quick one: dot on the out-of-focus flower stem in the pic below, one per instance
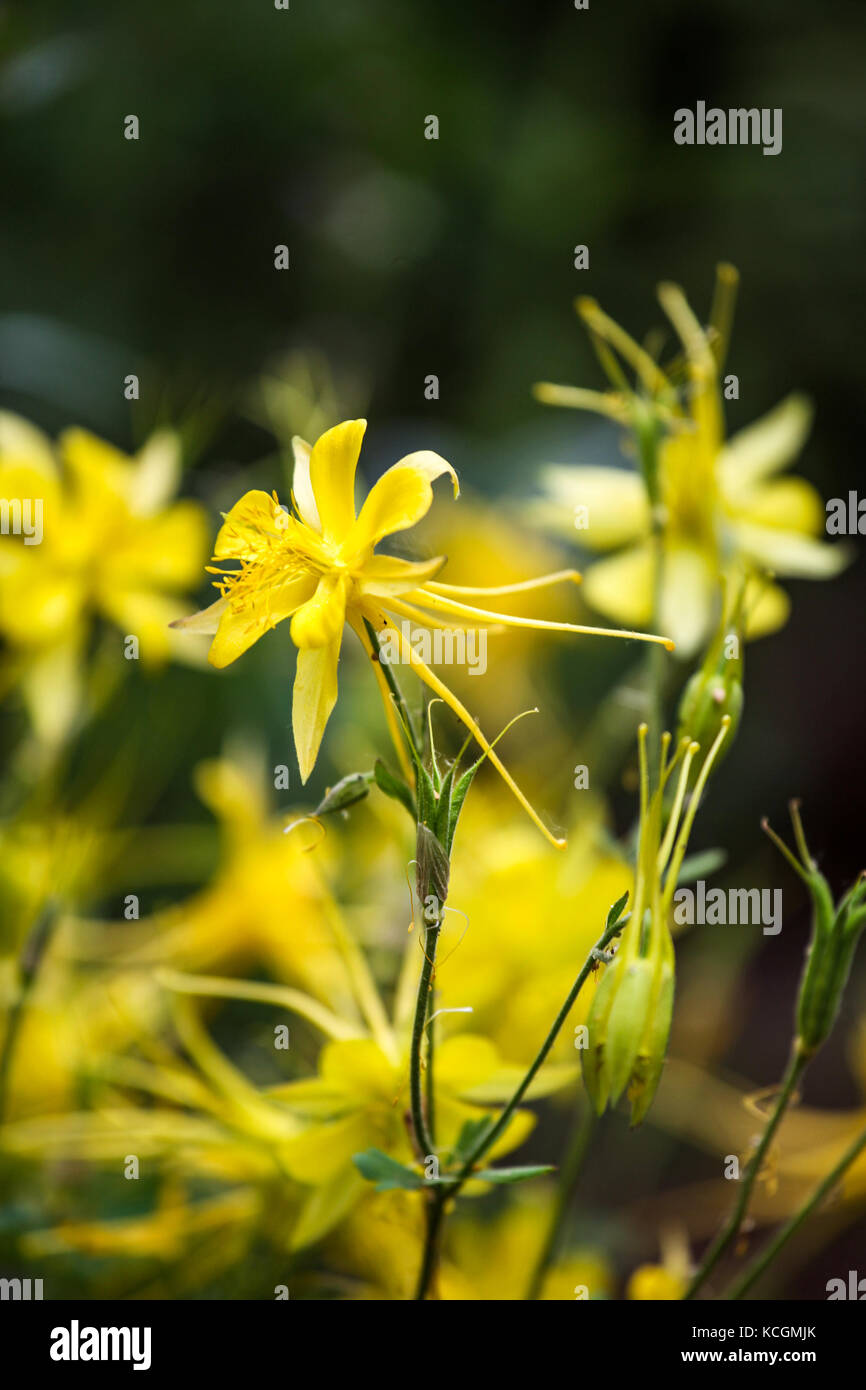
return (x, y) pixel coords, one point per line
(28, 969)
(569, 1172)
(797, 1064)
(765, 1259)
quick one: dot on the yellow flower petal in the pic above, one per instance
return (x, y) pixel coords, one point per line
(399, 499)
(302, 487)
(766, 607)
(322, 1151)
(620, 586)
(239, 628)
(167, 550)
(787, 504)
(321, 618)
(246, 528)
(96, 466)
(313, 698)
(360, 1069)
(385, 576)
(155, 473)
(206, 620)
(615, 503)
(332, 476)
(688, 594)
(765, 447)
(789, 553)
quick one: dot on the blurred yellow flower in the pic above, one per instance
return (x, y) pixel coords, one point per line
(108, 542)
(360, 1100)
(721, 503)
(317, 566)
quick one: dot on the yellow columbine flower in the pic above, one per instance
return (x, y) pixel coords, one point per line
(110, 541)
(317, 565)
(721, 505)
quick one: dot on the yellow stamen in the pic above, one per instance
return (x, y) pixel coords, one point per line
(542, 582)
(445, 605)
(647, 370)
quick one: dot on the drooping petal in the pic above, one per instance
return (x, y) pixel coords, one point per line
(385, 576)
(400, 498)
(241, 626)
(766, 607)
(302, 487)
(787, 504)
(689, 591)
(601, 508)
(620, 586)
(321, 618)
(790, 553)
(333, 461)
(313, 698)
(765, 447)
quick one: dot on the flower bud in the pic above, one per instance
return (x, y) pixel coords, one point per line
(835, 933)
(716, 688)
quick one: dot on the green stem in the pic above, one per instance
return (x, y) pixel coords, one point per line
(757, 1268)
(429, 1089)
(569, 1172)
(423, 1136)
(432, 1243)
(797, 1064)
(488, 1139)
(447, 1193)
(31, 958)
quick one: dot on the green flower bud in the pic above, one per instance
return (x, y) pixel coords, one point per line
(629, 1020)
(716, 688)
(835, 933)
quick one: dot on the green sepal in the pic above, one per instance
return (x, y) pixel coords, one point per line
(394, 787)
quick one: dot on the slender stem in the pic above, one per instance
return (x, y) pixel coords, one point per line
(423, 1135)
(448, 1192)
(432, 1243)
(429, 1088)
(489, 1138)
(757, 1268)
(796, 1065)
(569, 1172)
(28, 969)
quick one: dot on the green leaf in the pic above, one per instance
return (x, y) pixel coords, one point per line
(701, 865)
(347, 791)
(386, 1172)
(503, 1175)
(393, 786)
(616, 911)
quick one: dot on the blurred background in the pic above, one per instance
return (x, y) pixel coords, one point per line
(453, 257)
